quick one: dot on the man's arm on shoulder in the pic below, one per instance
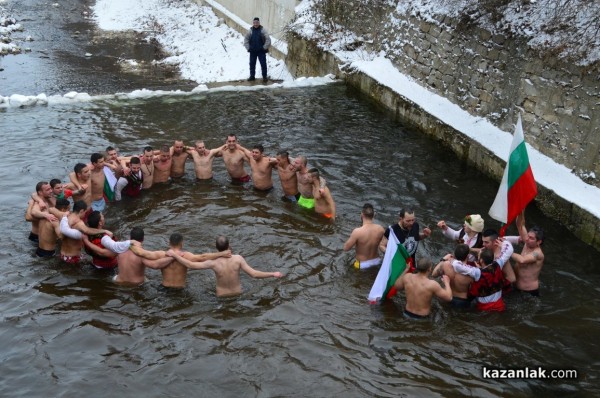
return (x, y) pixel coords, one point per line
(206, 256)
(157, 264)
(147, 254)
(101, 251)
(80, 225)
(208, 264)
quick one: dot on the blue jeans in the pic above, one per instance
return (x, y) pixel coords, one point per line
(262, 58)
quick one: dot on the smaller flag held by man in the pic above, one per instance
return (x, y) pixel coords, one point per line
(518, 186)
(393, 265)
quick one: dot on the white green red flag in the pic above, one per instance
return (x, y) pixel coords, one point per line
(393, 265)
(518, 186)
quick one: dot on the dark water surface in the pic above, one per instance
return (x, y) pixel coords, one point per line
(70, 331)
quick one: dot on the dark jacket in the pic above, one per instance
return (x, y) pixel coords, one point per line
(257, 40)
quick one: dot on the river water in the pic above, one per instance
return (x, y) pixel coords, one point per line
(70, 331)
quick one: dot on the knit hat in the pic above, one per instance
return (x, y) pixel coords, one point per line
(475, 222)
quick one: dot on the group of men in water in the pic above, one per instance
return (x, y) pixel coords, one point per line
(111, 177)
(479, 270)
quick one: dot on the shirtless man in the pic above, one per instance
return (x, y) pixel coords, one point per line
(531, 260)
(49, 231)
(175, 274)
(82, 174)
(178, 156)
(420, 290)
(460, 275)
(234, 158)
(72, 227)
(113, 162)
(132, 267)
(147, 167)
(305, 185)
(162, 166)
(366, 239)
(262, 167)
(287, 177)
(324, 203)
(502, 250)
(227, 270)
(203, 160)
(97, 179)
(34, 211)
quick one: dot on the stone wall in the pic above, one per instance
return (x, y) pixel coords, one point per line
(495, 77)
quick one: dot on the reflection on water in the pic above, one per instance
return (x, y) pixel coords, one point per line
(67, 331)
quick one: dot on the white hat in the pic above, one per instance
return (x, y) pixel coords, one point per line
(475, 222)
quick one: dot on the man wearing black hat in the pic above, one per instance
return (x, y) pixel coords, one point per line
(257, 42)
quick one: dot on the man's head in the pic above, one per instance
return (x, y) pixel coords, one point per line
(95, 219)
(257, 152)
(79, 207)
(43, 189)
(165, 153)
(82, 171)
(176, 241)
(222, 243)
(314, 174)
(178, 147)
(56, 185)
(137, 234)
(424, 265)
(200, 147)
(135, 164)
(62, 204)
(148, 155)
(535, 237)
(111, 154)
(489, 238)
(97, 160)
(367, 211)
(486, 257)
(407, 218)
(231, 141)
(300, 163)
(461, 252)
(256, 22)
(283, 158)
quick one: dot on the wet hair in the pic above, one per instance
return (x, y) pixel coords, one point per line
(256, 19)
(39, 185)
(176, 239)
(137, 234)
(232, 135)
(490, 233)
(165, 149)
(284, 154)
(79, 206)
(96, 157)
(461, 252)
(405, 211)
(260, 148)
(487, 256)
(134, 160)
(54, 182)
(368, 210)
(93, 219)
(109, 148)
(539, 233)
(222, 243)
(148, 149)
(79, 167)
(62, 204)
(424, 264)
(199, 142)
(303, 160)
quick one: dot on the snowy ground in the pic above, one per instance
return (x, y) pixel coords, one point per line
(206, 50)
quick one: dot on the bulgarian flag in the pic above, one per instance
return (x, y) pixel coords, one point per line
(109, 184)
(393, 265)
(518, 186)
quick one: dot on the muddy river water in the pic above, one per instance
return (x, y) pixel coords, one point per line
(70, 331)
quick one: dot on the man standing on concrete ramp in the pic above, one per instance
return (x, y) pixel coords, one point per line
(257, 42)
